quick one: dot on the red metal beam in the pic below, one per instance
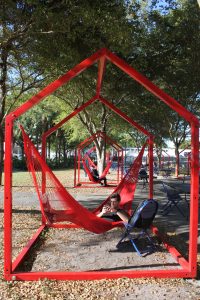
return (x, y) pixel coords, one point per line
(171, 102)
(70, 116)
(173, 273)
(96, 135)
(124, 116)
(194, 198)
(26, 249)
(52, 87)
(174, 252)
(101, 71)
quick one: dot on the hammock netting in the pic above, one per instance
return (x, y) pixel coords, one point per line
(89, 173)
(86, 157)
(58, 205)
(90, 162)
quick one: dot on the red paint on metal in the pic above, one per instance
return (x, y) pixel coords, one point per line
(101, 71)
(8, 197)
(150, 168)
(26, 249)
(85, 144)
(174, 273)
(172, 103)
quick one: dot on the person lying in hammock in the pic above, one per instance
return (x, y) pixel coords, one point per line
(112, 212)
(143, 174)
(95, 175)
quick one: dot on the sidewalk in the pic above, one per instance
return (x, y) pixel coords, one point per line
(174, 222)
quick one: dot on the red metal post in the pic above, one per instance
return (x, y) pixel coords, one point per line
(44, 157)
(75, 166)
(194, 197)
(79, 165)
(122, 167)
(8, 197)
(150, 168)
(118, 166)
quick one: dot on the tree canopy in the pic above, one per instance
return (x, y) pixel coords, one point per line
(41, 40)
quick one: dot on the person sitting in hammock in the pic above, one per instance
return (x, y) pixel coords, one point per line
(143, 174)
(95, 175)
(112, 212)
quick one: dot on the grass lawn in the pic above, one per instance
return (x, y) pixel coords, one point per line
(23, 178)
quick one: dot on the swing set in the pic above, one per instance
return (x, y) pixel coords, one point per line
(51, 192)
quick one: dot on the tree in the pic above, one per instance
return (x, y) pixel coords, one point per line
(181, 71)
(18, 73)
(169, 55)
(41, 39)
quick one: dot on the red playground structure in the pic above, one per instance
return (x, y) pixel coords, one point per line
(186, 267)
(83, 160)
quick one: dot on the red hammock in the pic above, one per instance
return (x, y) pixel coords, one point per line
(56, 202)
(89, 173)
(92, 164)
(87, 156)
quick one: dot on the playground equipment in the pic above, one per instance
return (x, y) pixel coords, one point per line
(81, 159)
(186, 267)
(58, 205)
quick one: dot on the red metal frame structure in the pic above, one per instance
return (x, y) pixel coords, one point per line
(163, 159)
(187, 268)
(79, 157)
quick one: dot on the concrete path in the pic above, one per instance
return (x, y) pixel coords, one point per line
(173, 222)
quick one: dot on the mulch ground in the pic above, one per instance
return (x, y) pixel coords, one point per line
(25, 223)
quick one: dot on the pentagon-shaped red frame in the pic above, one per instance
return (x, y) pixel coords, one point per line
(86, 143)
(188, 267)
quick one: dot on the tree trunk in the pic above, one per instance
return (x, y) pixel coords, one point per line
(49, 147)
(100, 149)
(64, 152)
(100, 161)
(177, 162)
(59, 149)
(3, 93)
(159, 155)
(56, 156)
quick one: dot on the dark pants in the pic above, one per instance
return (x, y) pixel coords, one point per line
(111, 217)
(100, 179)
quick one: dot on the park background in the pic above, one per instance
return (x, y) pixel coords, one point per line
(41, 40)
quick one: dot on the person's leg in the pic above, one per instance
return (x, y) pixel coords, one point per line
(105, 181)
